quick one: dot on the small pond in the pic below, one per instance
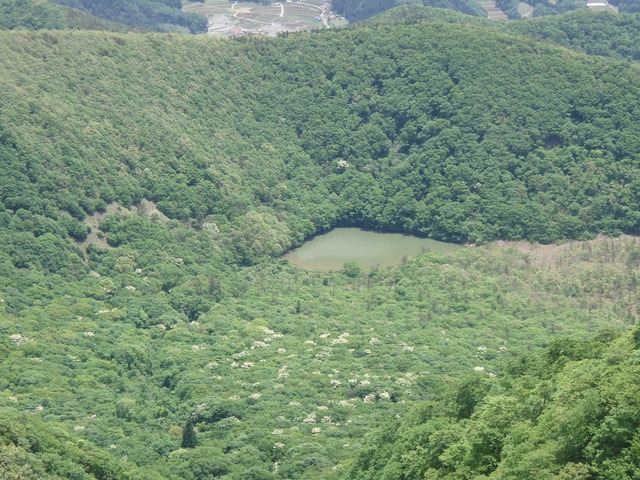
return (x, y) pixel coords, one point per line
(331, 250)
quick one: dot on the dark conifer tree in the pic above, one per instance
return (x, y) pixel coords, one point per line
(189, 439)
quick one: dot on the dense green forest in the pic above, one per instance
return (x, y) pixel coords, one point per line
(596, 33)
(412, 13)
(465, 157)
(44, 15)
(627, 6)
(599, 33)
(109, 15)
(357, 10)
(158, 15)
(281, 366)
(570, 412)
(284, 370)
(149, 183)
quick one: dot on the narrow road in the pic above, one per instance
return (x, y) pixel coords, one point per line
(323, 12)
(281, 9)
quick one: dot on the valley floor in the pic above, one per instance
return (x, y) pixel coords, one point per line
(253, 18)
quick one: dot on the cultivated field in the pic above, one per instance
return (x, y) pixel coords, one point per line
(250, 18)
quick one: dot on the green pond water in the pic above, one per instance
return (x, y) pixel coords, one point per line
(331, 250)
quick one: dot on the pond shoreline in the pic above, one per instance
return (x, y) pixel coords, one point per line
(330, 251)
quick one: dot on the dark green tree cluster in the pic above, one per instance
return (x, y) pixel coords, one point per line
(545, 7)
(158, 15)
(597, 33)
(42, 14)
(31, 448)
(570, 412)
(358, 10)
(414, 13)
(627, 6)
(510, 7)
(387, 128)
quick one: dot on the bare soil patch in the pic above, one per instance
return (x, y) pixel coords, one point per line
(145, 208)
(615, 250)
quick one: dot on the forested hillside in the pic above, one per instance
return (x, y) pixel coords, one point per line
(149, 183)
(158, 15)
(596, 33)
(485, 149)
(45, 15)
(280, 371)
(627, 6)
(412, 13)
(568, 413)
(599, 33)
(357, 10)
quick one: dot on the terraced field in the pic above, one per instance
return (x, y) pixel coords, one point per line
(493, 12)
(251, 18)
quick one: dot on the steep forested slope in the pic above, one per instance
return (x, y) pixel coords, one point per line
(159, 15)
(596, 33)
(446, 130)
(357, 10)
(42, 14)
(600, 33)
(156, 334)
(570, 413)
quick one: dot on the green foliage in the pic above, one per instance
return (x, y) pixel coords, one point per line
(14, 464)
(510, 7)
(469, 394)
(147, 182)
(458, 157)
(351, 269)
(630, 6)
(599, 33)
(189, 439)
(596, 33)
(584, 429)
(414, 13)
(258, 235)
(358, 10)
(115, 358)
(42, 14)
(30, 448)
(158, 15)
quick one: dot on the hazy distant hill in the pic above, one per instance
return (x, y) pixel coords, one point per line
(42, 14)
(159, 15)
(596, 33)
(412, 13)
(357, 10)
(599, 33)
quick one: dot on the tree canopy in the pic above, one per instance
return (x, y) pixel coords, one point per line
(149, 183)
